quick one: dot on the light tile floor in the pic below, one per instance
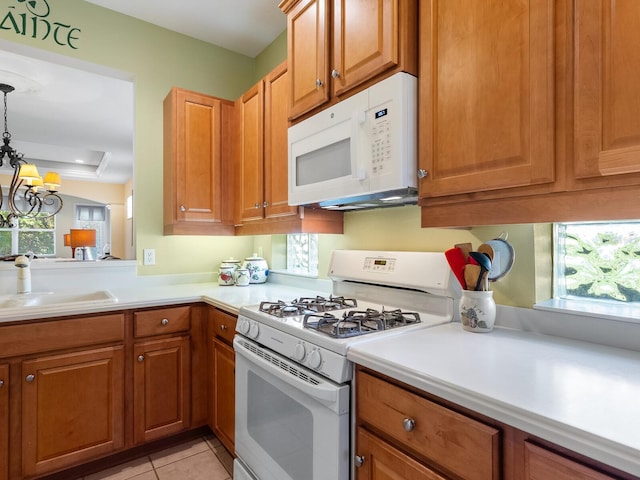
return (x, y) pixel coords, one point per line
(201, 459)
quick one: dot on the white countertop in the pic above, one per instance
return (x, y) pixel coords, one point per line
(579, 395)
(229, 298)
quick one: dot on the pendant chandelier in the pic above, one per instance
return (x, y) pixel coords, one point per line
(28, 202)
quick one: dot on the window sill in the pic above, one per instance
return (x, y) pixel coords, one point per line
(604, 310)
(294, 273)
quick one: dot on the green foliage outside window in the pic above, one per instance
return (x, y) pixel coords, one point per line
(598, 261)
(35, 235)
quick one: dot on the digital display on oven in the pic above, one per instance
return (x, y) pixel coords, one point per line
(380, 265)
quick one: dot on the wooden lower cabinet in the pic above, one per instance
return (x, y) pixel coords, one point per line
(223, 367)
(72, 408)
(379, 460)
(223, 419)
(543, 464)
(4, 422)
(452, 443)
(161, 388)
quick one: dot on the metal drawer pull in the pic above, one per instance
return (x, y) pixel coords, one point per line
(408, 424)
(30, 378)
(164, 321)
(223, 327)
(141, 358)
(359, 460)
(319, 82)
(1, 383)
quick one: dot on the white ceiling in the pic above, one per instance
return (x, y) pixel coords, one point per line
(65, 109)
(243, 26)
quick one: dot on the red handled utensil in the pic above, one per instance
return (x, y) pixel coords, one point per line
(457, 261)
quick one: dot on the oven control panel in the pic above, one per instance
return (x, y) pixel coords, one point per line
(381, 265)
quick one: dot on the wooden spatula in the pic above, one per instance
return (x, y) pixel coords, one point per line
(471, 274)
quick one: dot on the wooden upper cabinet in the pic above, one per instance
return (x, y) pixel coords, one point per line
(486, 109)
(365, 41)
(263, 149)
(607, 68)
(308, 56)
(250, 167)
(196, 176)
(337, 45)
(276, 146)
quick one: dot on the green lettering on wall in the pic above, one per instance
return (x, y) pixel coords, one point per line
(34, 22)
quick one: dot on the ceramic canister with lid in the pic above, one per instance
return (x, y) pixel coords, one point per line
(258, 268)
(227, 271)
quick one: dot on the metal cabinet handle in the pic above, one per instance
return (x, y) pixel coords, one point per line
(408, 424)
(165, 321)
(319, 82)
(359, 461)
(30, 378)
(223, 327)
(265, 204)
(1, 383)
(140, 358)
(335, 74)
(256, 205)
(422, 173)
(183, 208)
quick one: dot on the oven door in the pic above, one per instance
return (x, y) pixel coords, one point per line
(291, 424)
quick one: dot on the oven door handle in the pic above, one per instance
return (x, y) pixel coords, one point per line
(325, 392)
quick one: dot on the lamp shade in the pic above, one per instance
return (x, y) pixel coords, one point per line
(67, 239)
(28, 172)
(52, 180)
(80, 237)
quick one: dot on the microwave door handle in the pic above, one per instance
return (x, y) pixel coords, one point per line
(359, 119)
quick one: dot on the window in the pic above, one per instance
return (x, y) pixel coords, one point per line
(37, 235)
(302, 253)
(95, 217)
(597, 261)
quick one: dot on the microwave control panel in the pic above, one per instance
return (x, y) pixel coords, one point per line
(380, 140)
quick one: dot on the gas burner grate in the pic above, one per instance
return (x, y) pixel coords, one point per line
(359, 322)
(306, 305)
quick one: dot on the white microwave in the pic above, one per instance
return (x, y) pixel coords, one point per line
(360, 152)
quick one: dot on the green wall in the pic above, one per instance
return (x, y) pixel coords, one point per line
(157, 59)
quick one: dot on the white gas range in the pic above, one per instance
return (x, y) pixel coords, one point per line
(292, 374)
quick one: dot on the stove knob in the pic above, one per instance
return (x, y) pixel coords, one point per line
(243, 326)
(300, 352)
(254, 330)
(315, 359)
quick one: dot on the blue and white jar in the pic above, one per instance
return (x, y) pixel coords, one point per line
(258, 268)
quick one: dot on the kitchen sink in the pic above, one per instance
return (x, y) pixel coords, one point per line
(52, 299)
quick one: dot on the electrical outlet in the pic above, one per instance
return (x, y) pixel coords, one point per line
(149, 256)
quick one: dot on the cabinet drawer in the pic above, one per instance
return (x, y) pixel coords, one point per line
(458, 444)
(163, 320)
(541, 464)
(224, 325)
(60, 334)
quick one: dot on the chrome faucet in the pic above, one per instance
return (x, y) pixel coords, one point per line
(24, 273)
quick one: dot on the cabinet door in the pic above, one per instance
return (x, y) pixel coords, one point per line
(161, 388)
(308, 47)
(4, 421)
(607, 68)
(194, 200)
(486, 95)
(251, 154)
(276, 148)
(542, 464)
(365, 41)
(379, 460)
(223, 418)
(72, 408)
